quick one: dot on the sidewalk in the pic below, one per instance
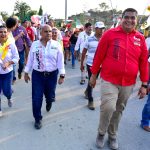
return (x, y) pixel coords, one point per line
(69, 125)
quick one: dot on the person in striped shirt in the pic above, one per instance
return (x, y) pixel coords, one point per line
(90, 47)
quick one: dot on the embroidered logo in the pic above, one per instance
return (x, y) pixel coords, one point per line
(38, 59)
(53, 47)
(137, 41)
(116, 50)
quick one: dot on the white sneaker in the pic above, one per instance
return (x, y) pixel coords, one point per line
(1, 114)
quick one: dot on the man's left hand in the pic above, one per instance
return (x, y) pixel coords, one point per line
(142, 92)
(6, 65)
(61, 80)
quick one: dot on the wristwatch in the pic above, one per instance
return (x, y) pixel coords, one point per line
(144, 85)
(62, 76)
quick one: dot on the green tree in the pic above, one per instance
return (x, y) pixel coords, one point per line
(4, 15)
(31, 13)
(21, 9)
(103, 6)
(40, 13)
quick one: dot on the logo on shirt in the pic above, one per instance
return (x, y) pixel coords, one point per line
(38, 47)
(137, 41)
(38, 59)
(53, 47)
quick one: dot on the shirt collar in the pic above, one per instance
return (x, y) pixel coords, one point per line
(119, 28)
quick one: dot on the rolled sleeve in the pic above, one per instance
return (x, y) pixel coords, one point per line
(29, 64)
(77, 46)
(143, 64)
(60, 61)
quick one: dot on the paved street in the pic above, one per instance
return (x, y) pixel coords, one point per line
(69, 125)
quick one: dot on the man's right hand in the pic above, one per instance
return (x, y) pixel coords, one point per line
(26, 77)
(21, 34)
(93, 80)
(82, 68)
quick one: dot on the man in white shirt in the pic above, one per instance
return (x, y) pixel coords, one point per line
(80, 44)
(46, 59)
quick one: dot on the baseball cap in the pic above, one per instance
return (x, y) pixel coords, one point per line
(99, 24)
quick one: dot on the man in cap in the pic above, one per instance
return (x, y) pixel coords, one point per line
(90, 47)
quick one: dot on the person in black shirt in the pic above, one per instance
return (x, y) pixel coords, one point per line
(73, 40)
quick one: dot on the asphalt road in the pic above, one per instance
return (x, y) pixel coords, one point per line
(69, 125)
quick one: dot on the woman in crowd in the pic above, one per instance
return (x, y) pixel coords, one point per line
(8, 57)
(73, 40)
(66, 44)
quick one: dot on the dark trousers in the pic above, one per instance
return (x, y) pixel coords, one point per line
(5, 84)
(21, 61)
(146, 113)
(72, 53)
(89, 89)
(14, 72)
(42, 83)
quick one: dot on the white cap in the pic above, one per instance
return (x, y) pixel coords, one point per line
(99, 24)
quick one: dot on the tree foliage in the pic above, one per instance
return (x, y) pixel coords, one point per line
(103, 6)
(23, 10)
(4, 15)
(40, 13)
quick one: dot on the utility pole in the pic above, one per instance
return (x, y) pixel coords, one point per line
(65, 11)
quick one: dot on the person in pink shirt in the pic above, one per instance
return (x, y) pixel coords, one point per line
(122, 53)
(66, 44)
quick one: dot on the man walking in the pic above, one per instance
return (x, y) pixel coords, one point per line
(80, 44)
(46, 59)
(90, 47)
(21, 40)
(122, 52)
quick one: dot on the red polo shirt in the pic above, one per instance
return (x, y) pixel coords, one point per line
(121, 55)
(30, 33)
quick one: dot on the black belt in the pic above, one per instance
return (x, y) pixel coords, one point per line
(46, 73)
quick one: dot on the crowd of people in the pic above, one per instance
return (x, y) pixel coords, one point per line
(117, 55)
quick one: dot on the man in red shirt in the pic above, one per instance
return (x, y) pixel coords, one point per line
(122, 53)
(27, 25)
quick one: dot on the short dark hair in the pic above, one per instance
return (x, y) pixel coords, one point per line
(11, 22)
(129, 10)
(87, 25)
(24, 21)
